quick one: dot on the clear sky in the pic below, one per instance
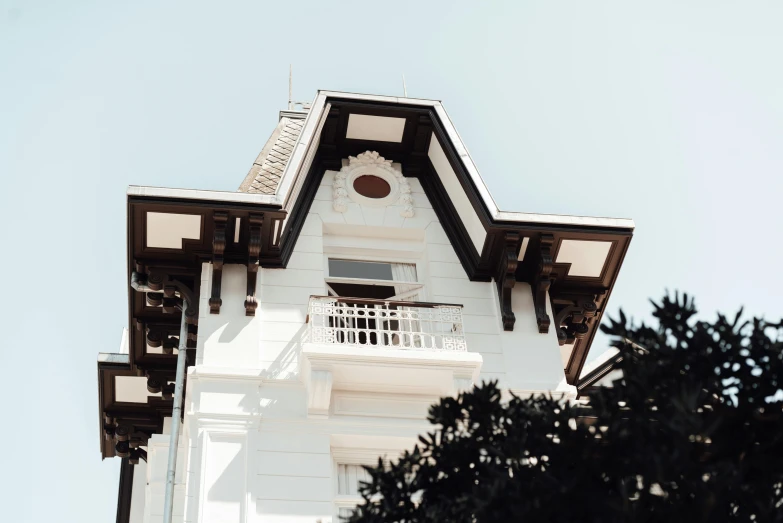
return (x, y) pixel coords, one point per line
(667, 112)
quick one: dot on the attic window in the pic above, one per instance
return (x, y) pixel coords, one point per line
(372, 186)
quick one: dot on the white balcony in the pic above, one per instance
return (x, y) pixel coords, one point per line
(360, 322)
(357, 344)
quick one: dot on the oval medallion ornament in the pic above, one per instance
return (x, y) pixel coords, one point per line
(372, 186)
(369, 179)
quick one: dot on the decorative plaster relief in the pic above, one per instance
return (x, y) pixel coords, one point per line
(370, 163)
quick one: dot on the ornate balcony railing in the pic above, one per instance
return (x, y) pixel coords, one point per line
(385, 324)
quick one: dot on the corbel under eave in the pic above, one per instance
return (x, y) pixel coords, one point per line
(255, 223)
(218, 248)
(542, 281)
(506, 277)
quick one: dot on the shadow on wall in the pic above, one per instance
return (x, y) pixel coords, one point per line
(233, 328)
(286, 364)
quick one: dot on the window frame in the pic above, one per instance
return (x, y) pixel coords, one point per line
(367, 457)
(420, 285)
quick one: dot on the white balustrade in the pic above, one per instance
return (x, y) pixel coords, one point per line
(385, 324)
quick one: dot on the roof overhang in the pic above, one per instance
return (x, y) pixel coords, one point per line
(172, 232)
(128, 413)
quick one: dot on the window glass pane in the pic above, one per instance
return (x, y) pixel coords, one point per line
(360, 269)
(349, 477)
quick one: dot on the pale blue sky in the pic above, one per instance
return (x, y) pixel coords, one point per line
(670, 113)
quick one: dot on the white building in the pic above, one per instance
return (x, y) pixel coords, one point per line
(361, 272)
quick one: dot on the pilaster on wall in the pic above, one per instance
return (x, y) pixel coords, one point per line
(224, 467)
(221, 467)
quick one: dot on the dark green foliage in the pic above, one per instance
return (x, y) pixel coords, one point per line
(693, 432)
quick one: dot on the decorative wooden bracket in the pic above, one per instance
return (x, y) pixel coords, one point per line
(128, 438)
(172, 299)
(506, 277)
(160, 382)
(174, 293)
(218, 247)
(573, 320)
(542, 281)
(165, 337)
(255, 222)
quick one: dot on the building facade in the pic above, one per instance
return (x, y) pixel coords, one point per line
(361, 272)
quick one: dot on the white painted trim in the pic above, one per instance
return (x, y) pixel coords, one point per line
(561, 219)
(368, 281)
(197, 194)
(324, 355)
(315, 118)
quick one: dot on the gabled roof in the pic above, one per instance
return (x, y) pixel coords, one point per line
(546, 251)
(264, 175)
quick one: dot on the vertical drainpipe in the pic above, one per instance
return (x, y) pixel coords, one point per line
(176, 417)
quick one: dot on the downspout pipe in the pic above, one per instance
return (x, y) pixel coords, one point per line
(176, 417)
(139, 283)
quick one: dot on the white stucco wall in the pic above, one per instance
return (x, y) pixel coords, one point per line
(251, 452)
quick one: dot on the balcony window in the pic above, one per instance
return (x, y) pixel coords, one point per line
(377, 304)
(374, 280)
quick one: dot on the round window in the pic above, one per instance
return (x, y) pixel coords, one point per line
(372, 186)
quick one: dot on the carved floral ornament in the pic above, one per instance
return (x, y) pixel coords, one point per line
(370, 163)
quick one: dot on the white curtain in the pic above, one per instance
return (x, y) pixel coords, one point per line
(404, 272)
(406, 292)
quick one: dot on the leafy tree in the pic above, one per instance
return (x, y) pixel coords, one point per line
(692, 432)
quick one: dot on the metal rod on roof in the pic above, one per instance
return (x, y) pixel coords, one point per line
(404, 87)
(290, 87)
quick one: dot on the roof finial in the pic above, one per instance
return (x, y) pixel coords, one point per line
(404, 87)
(290, 87)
